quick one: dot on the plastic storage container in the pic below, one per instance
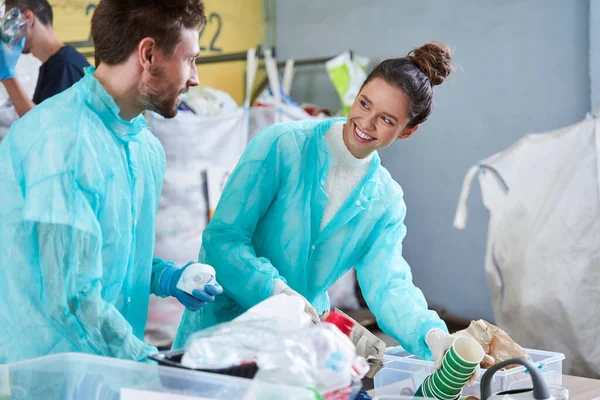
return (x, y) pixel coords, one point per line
(394, 397)
(403, 373)
(247, 371)
(72, 376)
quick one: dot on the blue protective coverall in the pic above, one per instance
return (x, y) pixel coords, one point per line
(79, 189)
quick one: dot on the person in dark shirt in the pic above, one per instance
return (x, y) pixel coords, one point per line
(62, 65)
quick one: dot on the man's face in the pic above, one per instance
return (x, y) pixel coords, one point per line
(171, 76)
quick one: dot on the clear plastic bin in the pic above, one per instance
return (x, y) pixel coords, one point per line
(72, 376)
(394, 397)
(403, 373)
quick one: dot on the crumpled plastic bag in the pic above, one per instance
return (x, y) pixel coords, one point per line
(319, 356)
(495, 342)
(207, 101)
(257, 330)
(286, 313)
(229, 344)
(27, 72)
(287, 348)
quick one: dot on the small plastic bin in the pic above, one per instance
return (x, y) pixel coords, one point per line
(403, 373)
(173, 359)
(72, 376)
(395, 397)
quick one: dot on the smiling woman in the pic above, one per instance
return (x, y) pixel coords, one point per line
(396, 97)
(320, 186)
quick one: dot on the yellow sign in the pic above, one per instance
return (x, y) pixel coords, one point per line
(232, 26)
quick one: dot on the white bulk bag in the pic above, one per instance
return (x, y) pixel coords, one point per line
(543, 250)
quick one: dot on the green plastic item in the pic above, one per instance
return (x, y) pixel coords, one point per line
(347, 74)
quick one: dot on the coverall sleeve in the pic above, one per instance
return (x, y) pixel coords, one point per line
(386, 281)
(69, 248)
(158, 267)
(227, 240)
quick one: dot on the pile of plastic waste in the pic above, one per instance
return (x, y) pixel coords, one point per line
(286, 346)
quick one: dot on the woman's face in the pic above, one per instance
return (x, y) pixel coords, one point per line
(377, 118)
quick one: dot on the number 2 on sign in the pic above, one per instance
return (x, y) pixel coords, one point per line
(213, 43)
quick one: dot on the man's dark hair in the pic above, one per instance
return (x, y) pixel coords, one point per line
(118, 26)
(40, 8)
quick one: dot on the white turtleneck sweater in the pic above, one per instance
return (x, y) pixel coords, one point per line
(345, 174)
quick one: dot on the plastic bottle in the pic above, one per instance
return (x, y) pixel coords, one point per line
(14, 25)
(196, 276)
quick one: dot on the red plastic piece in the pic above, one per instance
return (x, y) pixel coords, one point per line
(343, 324)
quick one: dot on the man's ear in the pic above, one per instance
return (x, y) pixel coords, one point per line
(30, 19)
(146, 52)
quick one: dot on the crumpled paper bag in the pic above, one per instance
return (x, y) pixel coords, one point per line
(495, 342)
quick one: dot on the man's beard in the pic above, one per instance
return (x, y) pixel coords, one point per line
(157, 99)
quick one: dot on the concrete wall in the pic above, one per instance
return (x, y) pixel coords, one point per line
(525, 68)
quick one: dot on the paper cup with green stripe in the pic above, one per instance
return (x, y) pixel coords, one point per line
(427, 390)
(459, 363)
(420, 391)
(463, 357)
(454, 375)
(451, 378)
(447, 386)
(424, 390)
(434, 391)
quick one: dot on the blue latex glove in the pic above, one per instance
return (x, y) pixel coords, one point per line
(8, 59)
(168, 285)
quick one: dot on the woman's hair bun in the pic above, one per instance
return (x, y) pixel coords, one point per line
(434, 59)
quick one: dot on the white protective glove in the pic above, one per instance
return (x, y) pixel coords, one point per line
(279, 287)
(439, 342)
